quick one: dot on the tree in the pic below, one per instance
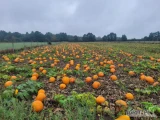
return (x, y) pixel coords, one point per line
(89, 37)
(105, 38)
(145, 38)
(39, 37)
(151, 36)
(124, 38)
(111, 37)
(49, 37)
(76, 38)
(2, 35)
(62, 37)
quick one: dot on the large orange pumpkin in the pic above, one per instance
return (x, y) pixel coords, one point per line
(65, 80)
(41, 96)
(149, 79)
(37, 106)
(8, 83)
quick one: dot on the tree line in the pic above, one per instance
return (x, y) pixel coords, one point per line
(49, 37)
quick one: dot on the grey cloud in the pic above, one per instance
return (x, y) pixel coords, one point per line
(135, 18)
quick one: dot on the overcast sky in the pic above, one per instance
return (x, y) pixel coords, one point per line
(135, 18)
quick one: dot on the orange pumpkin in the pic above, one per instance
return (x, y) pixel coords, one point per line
(149, 79)
(112, 66)
(35, 74)
(88, 79)
(8, 83)
(41, 91)
(100, 74)
(131, 73)
(62, 86)
(72, 80)
(100, 99)
(52, 79)
(142, 77)
(113, 77)
(34, 78)
(41, 68)
(121, 103)
(155, 83)
(95, 77)
(96, 85)
(37, 106)
(112, 70)
(13, 77)
(123, 117)
(44, 71)
(33, 70)
(65, 80)
(129, 96)
(41, 96)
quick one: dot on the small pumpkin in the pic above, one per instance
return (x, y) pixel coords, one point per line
(62, 86)
(131, 73)
(112, 70)
(52, 79)
(113, 77)
(96, 85)
(129, 96)
(34, 78)
(72, 80)
(41, 96)
(100, 99)
(149, 79)
(95, 77)
(100, 74)
(41, 91)
(88, 79)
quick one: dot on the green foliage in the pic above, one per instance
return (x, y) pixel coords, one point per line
(53, 72)
(79, 82)
(142, 66)
(26, 90)
(121, 85)
(84, 99)
(4, 76)
(22, 69)
(150, 107)
(149, 90)
(8, 93)
(78, 106)
(12, 109)
(8, 68)
(68, 58)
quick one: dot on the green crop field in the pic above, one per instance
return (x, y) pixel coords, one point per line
(4, 46)
(145, 49)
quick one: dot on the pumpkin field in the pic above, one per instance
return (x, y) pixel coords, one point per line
(81, 81)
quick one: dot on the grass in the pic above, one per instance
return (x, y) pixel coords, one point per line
(4, 46)
(144, 49)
